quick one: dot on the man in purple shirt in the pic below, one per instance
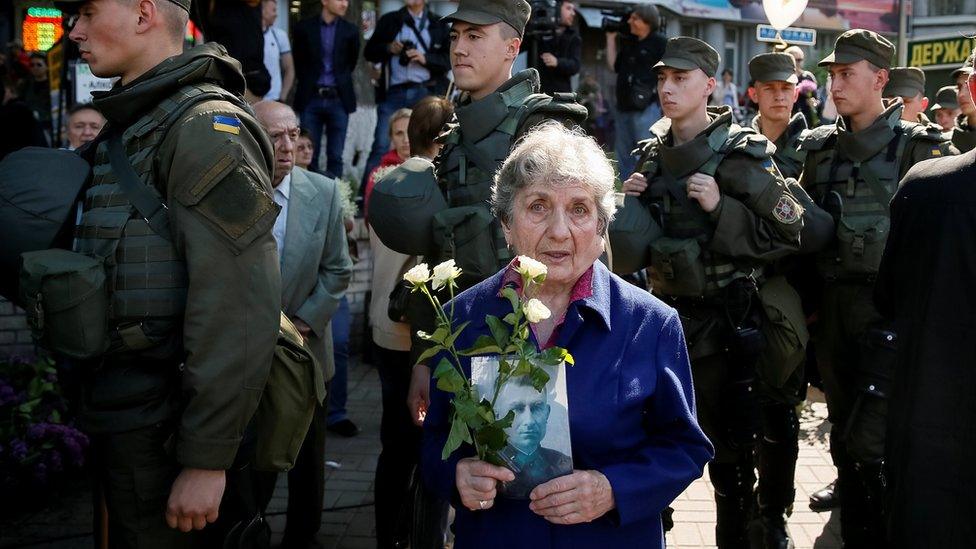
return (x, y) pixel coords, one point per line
(326, 49)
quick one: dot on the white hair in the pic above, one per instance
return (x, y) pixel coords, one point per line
(552, 154)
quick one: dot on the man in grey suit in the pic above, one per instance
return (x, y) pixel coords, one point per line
(315, 271)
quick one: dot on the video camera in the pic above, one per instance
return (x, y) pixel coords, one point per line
(543, 17)
(615, 20)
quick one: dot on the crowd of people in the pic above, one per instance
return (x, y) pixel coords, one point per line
(762, 242)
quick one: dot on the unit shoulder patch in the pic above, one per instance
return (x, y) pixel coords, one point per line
(786, 210)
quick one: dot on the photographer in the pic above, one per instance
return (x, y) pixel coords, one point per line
(637, 105)
(559, 52)
(413, 46)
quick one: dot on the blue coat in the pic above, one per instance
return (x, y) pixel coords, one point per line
(631, 416)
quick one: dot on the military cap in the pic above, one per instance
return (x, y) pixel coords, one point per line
(965, 69)
(686, 53)
(486, 12)
(859, 44)
(946, 98)
(71, 6)
(905, 82)
(773, 67)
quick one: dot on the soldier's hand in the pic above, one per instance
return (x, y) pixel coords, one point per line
(635, 184)
(418, 396)
(704, 189)
(549, 59)
(396, 47)
(194, 498)
(582, 496)
(302, 326)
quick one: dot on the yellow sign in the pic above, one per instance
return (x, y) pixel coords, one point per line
(55, 60)
(943, 51)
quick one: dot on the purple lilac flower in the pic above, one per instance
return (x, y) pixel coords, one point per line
(18, 449)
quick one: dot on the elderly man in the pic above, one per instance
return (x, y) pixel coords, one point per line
(84, 123)
(315, 271)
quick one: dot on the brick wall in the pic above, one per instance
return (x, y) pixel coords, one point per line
(15, 336)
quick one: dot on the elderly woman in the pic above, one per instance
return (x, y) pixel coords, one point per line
(634, 437)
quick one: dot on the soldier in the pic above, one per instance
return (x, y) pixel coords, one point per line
(494, 109)
(781, 379)
(852, 169)
(946, 108)
(774, 90)
(908, 83)
(180, 210)
(725, 213)
(964, 133)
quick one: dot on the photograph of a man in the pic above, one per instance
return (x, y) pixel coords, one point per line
(531, 462)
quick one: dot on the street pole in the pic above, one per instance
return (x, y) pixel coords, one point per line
(903, 32)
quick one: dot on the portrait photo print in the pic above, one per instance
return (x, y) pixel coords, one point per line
(538, 448)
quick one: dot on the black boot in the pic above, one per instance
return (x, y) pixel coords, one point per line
(776, 457)
(826, 498)
(733, 483)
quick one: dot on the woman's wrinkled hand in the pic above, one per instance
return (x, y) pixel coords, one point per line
(582, 496)
(635, 184)
(476, 481)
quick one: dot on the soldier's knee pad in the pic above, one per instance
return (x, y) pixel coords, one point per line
(780, 423)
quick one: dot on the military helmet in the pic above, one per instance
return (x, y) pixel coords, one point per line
(39, 188)
(402, 207)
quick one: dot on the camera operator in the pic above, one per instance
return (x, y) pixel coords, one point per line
(637, 105)
(560, 52)
(413, 45)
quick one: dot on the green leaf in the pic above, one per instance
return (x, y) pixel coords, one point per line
(504, 366)
(539, 378)
(458, 434)
(484, 345)
(453, 337)
(492, 437)
(510, 319)
(499, 330)
(512, 296)
(429, 353)
(448, 378)
(439, 335)
(524, 368)
(467, 410)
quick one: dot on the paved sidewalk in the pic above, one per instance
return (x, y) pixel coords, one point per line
(352, 483)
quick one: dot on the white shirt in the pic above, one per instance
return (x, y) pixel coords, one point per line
(281, 193)
(275, 45)
(413, 72)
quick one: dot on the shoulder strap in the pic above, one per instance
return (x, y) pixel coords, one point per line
(146, 202)
(479, 157)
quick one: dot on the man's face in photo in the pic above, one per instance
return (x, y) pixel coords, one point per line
(531, 416)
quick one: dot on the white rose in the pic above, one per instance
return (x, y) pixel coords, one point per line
(535, 311)
(417, 275)
(531, 268)
(445, 273)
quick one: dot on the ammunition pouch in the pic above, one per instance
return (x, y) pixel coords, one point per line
(861, 243)
(66, 299)
(465, 234)
(866, 426)
(677, 267)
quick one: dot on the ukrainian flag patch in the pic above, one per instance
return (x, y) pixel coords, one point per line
(228, 124)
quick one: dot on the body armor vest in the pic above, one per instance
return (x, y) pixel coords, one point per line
(856, 176)
(682, 264)
(146, 276)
